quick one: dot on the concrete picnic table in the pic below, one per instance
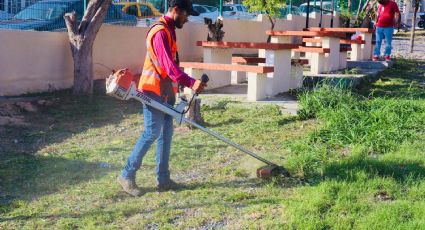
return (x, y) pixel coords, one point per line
(366, 48)
(277, 55)
(324, 58)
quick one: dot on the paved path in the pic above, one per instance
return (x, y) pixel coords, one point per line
(401, 46)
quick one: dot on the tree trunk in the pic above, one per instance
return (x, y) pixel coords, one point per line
(349, 6)
(369, 11)
(83, 71)
(347, 23)
(358, 11)
(364, 13)
(271, 28)
(81, 38)
(412, 33)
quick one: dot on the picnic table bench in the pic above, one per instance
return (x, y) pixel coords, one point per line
(297, 75)
(362, 51)
(323, 59)
(257, 75)
(259, 87)
(343, 50)
(256, 60)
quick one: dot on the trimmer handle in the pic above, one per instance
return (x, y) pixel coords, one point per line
(204, 78)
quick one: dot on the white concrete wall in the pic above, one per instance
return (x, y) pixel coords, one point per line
(33, 61)
(118, 47)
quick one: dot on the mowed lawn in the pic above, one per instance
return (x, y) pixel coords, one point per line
(357, 160)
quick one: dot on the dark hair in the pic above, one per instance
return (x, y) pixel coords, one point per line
(172, 3)
(183, 5)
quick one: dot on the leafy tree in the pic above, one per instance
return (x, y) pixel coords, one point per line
(270, 7)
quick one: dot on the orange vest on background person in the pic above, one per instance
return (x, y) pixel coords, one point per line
(154, 78)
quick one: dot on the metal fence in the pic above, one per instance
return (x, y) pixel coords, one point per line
(14, 6)
(47, 15)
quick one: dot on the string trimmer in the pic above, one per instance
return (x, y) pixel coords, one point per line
(121, 84)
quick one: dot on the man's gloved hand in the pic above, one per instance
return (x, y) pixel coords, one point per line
(199, 86)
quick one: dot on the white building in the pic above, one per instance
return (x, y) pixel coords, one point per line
(407, 10)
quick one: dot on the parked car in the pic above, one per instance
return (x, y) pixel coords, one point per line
(284, 11)
(326, 6)
(421, 22)
(5, 15)
(158, 4)
(211, 8)
(48, 15)
(145, 12)
(204, 12)
(138, 9)
(237, 11)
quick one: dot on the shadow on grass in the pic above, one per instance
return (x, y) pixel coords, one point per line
(27, 177)
(68, 116)
(404, 80)
(228, 200)
(287, 120)
(95, 214)
(231, 121)
(220, 105)
(401, 171)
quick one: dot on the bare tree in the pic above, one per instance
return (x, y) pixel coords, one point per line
(81, 37)
(412, 33)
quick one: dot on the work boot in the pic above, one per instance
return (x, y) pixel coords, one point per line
(129, 186)
(169, 185)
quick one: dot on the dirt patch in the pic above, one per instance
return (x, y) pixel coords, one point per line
(13, 111)
(19, 121)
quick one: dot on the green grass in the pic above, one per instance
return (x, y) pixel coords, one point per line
(357, 160)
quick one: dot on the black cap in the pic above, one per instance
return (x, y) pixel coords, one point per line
(183, 5)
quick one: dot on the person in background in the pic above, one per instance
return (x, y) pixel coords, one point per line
(387, 17)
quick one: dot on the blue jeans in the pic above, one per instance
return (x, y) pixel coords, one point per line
(387, 34)
(157, 126)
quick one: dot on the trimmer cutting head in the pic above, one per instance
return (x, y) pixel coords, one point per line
(269, 171)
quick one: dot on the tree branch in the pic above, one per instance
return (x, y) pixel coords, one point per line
(73, 36)
(98, 17)
(71, 23)
(88, 15)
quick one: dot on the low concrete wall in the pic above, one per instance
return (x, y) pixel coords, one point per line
(32, 61)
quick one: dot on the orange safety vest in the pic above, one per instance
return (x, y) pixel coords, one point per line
(154, 77)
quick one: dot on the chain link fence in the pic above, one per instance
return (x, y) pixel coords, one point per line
(47, 15)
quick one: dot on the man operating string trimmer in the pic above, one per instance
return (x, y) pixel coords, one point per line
(159, 80)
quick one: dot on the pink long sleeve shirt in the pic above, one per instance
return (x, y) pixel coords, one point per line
(165, 59)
